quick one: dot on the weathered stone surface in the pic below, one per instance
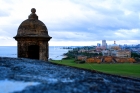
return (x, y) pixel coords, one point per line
(32, 37)
(63, 79)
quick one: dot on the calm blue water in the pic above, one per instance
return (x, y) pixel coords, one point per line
(55, 52)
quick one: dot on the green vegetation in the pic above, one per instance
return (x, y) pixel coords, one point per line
(123, 69)
(76, 52)
(133, 54)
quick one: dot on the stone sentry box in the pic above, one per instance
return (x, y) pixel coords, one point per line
(32, 38)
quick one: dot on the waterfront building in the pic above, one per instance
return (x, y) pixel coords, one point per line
(116, 51)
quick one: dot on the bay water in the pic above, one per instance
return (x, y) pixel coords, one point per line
(55, 52)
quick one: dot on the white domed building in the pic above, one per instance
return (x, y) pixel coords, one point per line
(115, 46)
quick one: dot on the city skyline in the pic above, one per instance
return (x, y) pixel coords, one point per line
(75, 22)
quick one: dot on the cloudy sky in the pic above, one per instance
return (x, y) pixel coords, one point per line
(75, 22)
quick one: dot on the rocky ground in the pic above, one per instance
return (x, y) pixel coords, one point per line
(62, 79)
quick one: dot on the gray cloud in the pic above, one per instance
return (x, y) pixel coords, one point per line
(90, 20)
(106, 22)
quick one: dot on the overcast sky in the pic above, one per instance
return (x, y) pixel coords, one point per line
(75, 22)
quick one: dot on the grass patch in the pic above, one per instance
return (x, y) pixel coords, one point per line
(123, 69)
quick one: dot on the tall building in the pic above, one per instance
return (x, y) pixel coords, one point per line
(104, 44)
